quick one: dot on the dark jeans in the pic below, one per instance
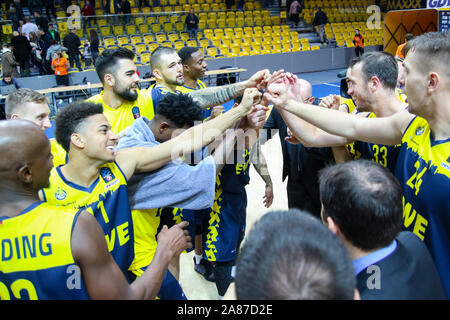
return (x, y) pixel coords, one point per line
(25, 68)
(359, 51)
(47, 11)
(62, 80)
(74, 58)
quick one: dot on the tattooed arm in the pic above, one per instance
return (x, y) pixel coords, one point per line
(213, 96)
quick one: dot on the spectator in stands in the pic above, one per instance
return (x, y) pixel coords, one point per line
(60, 65)
(35, 5)
(19, 10)
(294, 10)
(9, 80)
(400, 52)
(11, 14)
(145, 2)
(54, 47)
(36, 52)
(229, 4)
(125, 8)
(93, 39)
(191, 22)
(9, 63)
(41, 21)
(87, 12)
(29, 27)
(362, 205)
(304, 261)
(50, 8)
(51, 34)
(358, 41)
(87, 54)
(320, 20)
(72, 42)
(22, 52)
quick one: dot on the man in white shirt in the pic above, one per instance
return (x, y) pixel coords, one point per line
(29, 27)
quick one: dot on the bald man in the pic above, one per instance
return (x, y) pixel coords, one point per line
(51, 252)
(300, 164)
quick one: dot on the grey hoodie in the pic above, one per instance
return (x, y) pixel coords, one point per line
(176, 184)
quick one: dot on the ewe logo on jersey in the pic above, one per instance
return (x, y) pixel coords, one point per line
(60, 194)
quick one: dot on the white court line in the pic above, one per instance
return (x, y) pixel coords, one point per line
(331, 84)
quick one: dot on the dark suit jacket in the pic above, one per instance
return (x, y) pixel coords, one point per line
(408, 273)
(302, 165)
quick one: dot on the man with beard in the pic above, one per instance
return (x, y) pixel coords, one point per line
(371, 80)
(123, 102)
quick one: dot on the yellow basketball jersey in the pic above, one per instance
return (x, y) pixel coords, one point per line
(36, 255)
(107, 200)
(185, 89)
(123, 116)
(58, 152)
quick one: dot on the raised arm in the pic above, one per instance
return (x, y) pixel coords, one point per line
(213, 96)
(101, 275)
(386, 131)
(148, 159)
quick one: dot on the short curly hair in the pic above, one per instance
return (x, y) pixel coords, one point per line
(69, 119)
(180, 109)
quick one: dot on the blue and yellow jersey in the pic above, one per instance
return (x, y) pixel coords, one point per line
(123, 116)
(107, 200)
(201, 85)
(383, 154)
(234, 177)
(58, 152)
(228, 213)
(186, 89)
(425, 179)
(157, 93)
(36, 255)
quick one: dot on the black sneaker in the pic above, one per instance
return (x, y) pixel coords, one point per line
(205, 268)
(199, 267)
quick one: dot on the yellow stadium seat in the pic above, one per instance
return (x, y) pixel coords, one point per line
(149, 37)
(131, 28)
(211, 51)
(192, 43)
(224, 50)
(184, 36)
(160, 37)
(136, 39)
(167, 27)
(121, 40)
(108, 41)
(152, 46)
(156, 27)
(145, 57)
(172, 36)
(118, 30)
(178, 44)
(179, 26)
(143, 28)
(140, 47)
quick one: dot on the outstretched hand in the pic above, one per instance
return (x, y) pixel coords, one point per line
(175, 239)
